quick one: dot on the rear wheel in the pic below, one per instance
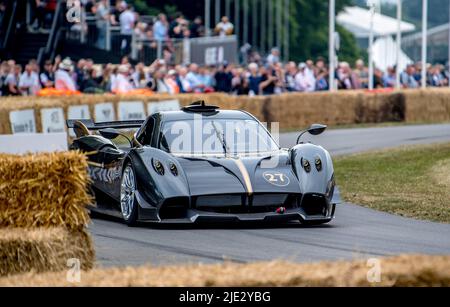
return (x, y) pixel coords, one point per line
(128, 205)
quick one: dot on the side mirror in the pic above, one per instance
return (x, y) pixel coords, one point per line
(109, 133)
(314, 129)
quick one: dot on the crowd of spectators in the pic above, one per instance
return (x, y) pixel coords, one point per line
(259, 75)
(161, 28)
(267, 77)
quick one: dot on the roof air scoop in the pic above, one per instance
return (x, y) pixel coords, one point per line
(200, 107)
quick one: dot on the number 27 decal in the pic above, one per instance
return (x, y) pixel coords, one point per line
(276, 178)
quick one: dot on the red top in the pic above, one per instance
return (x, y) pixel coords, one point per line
(51, 5)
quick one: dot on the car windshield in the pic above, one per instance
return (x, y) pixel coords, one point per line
(216, 136)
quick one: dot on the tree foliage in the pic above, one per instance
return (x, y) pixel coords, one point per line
(412, 11)
(308, 24)
(309, 35)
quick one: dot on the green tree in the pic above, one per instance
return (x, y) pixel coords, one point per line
(309, 31)
(308, 24)
(412, 11)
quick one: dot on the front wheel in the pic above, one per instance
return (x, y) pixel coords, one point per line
(128, 205)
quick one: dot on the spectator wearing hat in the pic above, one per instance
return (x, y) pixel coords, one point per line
(171, 82)
(304, 81)
(122, 83)
(63, 79)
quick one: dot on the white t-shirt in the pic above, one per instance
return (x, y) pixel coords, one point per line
(63, 81)
(127, 20)
(305, 82)
(30, 81)
(224, 28)
(121, 84)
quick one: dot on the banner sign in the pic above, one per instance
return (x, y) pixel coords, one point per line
(37, 142)
(22, 121)
(131, 110)
(104, 112)
(53, 120)
(78, 112)
(213, 50)
(164, 105)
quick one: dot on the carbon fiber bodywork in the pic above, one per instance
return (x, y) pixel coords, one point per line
(270, 186)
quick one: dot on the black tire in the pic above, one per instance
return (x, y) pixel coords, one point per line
(128, 202)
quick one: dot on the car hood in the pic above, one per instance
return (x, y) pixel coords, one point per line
(266, 173)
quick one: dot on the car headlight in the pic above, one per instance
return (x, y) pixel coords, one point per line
(159, 168)
(173, 169)
(318, 164)
(306, 165)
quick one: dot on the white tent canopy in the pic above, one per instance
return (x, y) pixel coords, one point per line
(385, 54)
(356, 20)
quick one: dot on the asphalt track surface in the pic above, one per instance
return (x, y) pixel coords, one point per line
(355, 232)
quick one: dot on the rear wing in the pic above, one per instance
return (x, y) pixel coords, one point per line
(91, 125)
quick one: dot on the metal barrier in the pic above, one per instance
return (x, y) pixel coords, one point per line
(203, 50)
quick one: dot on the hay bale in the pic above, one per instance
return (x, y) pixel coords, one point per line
(380, 107)
(298, 110)
(48, 189)
(406, 270)
(430, 105)
(292, 110)
(43, 250)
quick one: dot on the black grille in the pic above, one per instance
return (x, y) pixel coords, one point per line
(174, 208)
(242, 203)
(314, 204)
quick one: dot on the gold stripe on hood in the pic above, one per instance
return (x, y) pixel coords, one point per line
(245, 175)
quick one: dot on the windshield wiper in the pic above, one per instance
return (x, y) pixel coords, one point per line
(221, 137)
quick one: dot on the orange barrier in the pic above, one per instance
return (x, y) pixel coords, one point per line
(56, 92)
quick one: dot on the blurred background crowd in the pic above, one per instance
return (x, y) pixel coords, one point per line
(265, 77)
(257, 72)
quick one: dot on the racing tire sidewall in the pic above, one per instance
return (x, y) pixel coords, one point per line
(132, 219)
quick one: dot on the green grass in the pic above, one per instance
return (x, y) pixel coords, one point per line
(369, 125)
(410, 181)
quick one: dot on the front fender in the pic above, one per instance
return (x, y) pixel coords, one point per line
(315, 181)
(154, 186)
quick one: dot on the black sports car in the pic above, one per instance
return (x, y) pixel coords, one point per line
(202, 164)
